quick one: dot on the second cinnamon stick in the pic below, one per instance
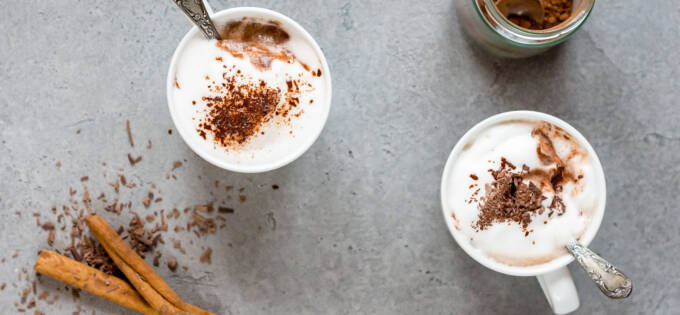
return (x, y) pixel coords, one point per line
(116, 246)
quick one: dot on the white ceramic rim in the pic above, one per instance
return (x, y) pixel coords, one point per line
(256, 12)
(477, 255)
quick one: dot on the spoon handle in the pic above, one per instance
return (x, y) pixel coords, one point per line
(611, 281)
(196, 11)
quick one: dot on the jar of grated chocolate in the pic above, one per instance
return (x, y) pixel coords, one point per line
(518, 36)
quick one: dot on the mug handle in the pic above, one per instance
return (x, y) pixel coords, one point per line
(560, 290)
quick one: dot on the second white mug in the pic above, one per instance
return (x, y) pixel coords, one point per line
(553, 276)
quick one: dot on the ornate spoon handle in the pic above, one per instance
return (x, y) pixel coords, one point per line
(611, 281)
(195, 10)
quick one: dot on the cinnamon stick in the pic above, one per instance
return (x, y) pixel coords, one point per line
(89, 279)
(156, 301)
(138, 268)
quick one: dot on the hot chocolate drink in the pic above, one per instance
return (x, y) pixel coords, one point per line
(253, 97)
(521, 190)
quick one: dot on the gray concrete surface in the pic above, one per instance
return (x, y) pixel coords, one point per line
(356, 226)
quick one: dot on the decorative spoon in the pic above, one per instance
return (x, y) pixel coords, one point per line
(611, 281)
(532, 9)
(197, 13)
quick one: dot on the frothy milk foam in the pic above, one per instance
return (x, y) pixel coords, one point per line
(202, 58)
(507, 242)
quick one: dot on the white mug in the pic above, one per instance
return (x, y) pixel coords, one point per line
(553, 276)
(308, 130)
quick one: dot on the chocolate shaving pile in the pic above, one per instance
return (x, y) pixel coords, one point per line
(508, 198)
(513, 196)
(141, 240)
(89, 251)
(238, 111)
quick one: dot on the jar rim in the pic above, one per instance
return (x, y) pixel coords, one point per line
(497, 23)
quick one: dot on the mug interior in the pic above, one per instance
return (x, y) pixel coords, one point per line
(292, 152)
(477, 254)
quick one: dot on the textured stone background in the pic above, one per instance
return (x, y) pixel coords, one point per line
(356, 226)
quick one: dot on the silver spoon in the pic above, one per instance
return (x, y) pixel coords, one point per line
(197, 13)
(532, 9)
(611, 281)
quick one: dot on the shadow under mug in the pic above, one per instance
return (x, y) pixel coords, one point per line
(553, 276)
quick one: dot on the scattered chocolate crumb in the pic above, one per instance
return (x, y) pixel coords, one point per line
(156, 259)
(129, 133)
(176, 164)
(47, 226)
(205, 258)
(225, 210)
(201, 208)
(242, 198)
(24, 295)
(134, 161)
(146, 201)
(474, 177)
(43, 295)
(275, 187)
(76, 293)
(169, 131)
(172, 264)
(58, 164)
(50, 238)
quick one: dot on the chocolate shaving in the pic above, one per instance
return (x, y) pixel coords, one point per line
(48, 226)
(134, 161)
(146, 201)
(176, 164)
(172, 264)
(129, 133)
(205, 258)
(156, 259)
(225, 210)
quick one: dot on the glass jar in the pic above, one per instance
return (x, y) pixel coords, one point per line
(487, 25)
